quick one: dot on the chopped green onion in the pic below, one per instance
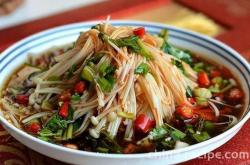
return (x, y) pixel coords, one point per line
(70, 131)
(102, 149)
(202, 93)
(190, 129)
(75, 97)
(159, 132)
(142, 69)
(127, 115)
(143, 50)
(201, 136)
(103, 67)
(88, 74)
(201, 101)
(217, 80)
(177, 135)
(214, 88)
(198, 67)
(105, 85)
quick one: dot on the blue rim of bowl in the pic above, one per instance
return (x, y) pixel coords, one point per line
(158, 26)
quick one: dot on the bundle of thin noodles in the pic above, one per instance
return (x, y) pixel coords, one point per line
(122, 76)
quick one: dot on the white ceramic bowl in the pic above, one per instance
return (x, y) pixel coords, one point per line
(207, 47)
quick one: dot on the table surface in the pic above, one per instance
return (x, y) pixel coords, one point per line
(164, 11)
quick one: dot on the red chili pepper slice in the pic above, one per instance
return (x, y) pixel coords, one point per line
(34, 127)
(140, 32)
(22, 99)
(206, 114)
(203, 79)
(64, 110)
(184, 111)
(143, 123)
(80, 87)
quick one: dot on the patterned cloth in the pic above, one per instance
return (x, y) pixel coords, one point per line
(14, 153)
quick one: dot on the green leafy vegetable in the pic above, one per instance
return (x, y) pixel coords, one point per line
(95, 58)
(110, 70)
(142, 69)
(179, 65)
(169, 49)
(104, 37)
(56, 122)
(159, 133)
(176, 52)
(130, 42)
(166, 130)
(107, 142)
(46, 132)
(133, 43)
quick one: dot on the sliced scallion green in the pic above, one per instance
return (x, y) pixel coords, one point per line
(88, 73)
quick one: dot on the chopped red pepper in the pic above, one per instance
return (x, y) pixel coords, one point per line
(64, 110)
(34, 127)
(140, 31)
(192, 100)
(184, 111)
(22, 99)
(203, 79)
(65, 95)
(143, 123)
(215, 73)
(206, 114)
(80, 87)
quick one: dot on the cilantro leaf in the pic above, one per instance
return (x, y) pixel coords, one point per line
(142, 69)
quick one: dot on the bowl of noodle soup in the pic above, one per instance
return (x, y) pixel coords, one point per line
(123, 91)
